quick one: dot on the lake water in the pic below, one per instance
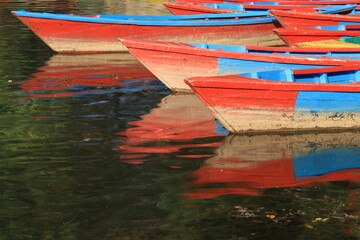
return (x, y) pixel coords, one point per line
(95, 147)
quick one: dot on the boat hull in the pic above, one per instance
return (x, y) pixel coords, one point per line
(78, 36)
(172, 63)
(177, 8)
(293, 37)
(287, 2)
(351, 50)
(242, 105)
(198, 8)
(296, 19)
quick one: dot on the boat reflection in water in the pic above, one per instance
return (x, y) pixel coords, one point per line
(175, 124)
(248, 165)
(79, 75)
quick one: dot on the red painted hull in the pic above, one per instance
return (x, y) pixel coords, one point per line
(292, 19)
(199, 1)
(172, 63)
(198, 8)
(294, 36)
(75, 36)
(177, 8)
(248, 105)
(303, 49)
(287, 2)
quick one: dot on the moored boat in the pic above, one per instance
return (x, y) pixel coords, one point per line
(350, 51)
(204, 8)
(285, 2)
(292, 37)
(172, 62)
(295, 19)
(283, 101)
(74, 33)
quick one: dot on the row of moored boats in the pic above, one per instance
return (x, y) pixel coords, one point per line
(260, 66)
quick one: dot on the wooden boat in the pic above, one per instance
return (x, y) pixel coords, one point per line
(205, 8)
(73, 33)
(345, 52)
(218, 6)
(353, 42)
(172, 62)
(285, 2)
(248, 165)
(285, 101)
(292, 37)
(293, 19)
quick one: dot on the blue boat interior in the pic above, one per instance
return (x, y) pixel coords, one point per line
(184, 17)
(340, 77)
(226, 66)
(338, 9)
(324, 10)
(243, 49)
(332, 28)
(225, 19)
(340, 27)
(220, 47)
(237, 7)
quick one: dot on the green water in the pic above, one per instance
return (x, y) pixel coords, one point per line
(95, 147)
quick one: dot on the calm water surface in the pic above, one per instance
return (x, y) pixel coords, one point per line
(95, 147)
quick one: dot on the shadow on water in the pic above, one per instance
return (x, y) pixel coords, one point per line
(95, 147)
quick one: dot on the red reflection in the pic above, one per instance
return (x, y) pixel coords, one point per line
(76, 73)
(173, 125)
(247, 165)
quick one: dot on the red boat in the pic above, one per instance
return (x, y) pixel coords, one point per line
(172, 62)
(283, 100)
(293, 19)
(286, 2)
(74, 33)
(295, 36)
(200, 8)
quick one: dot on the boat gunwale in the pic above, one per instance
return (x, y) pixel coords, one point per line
(317, 16)
(242, 82)
(212, 21)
